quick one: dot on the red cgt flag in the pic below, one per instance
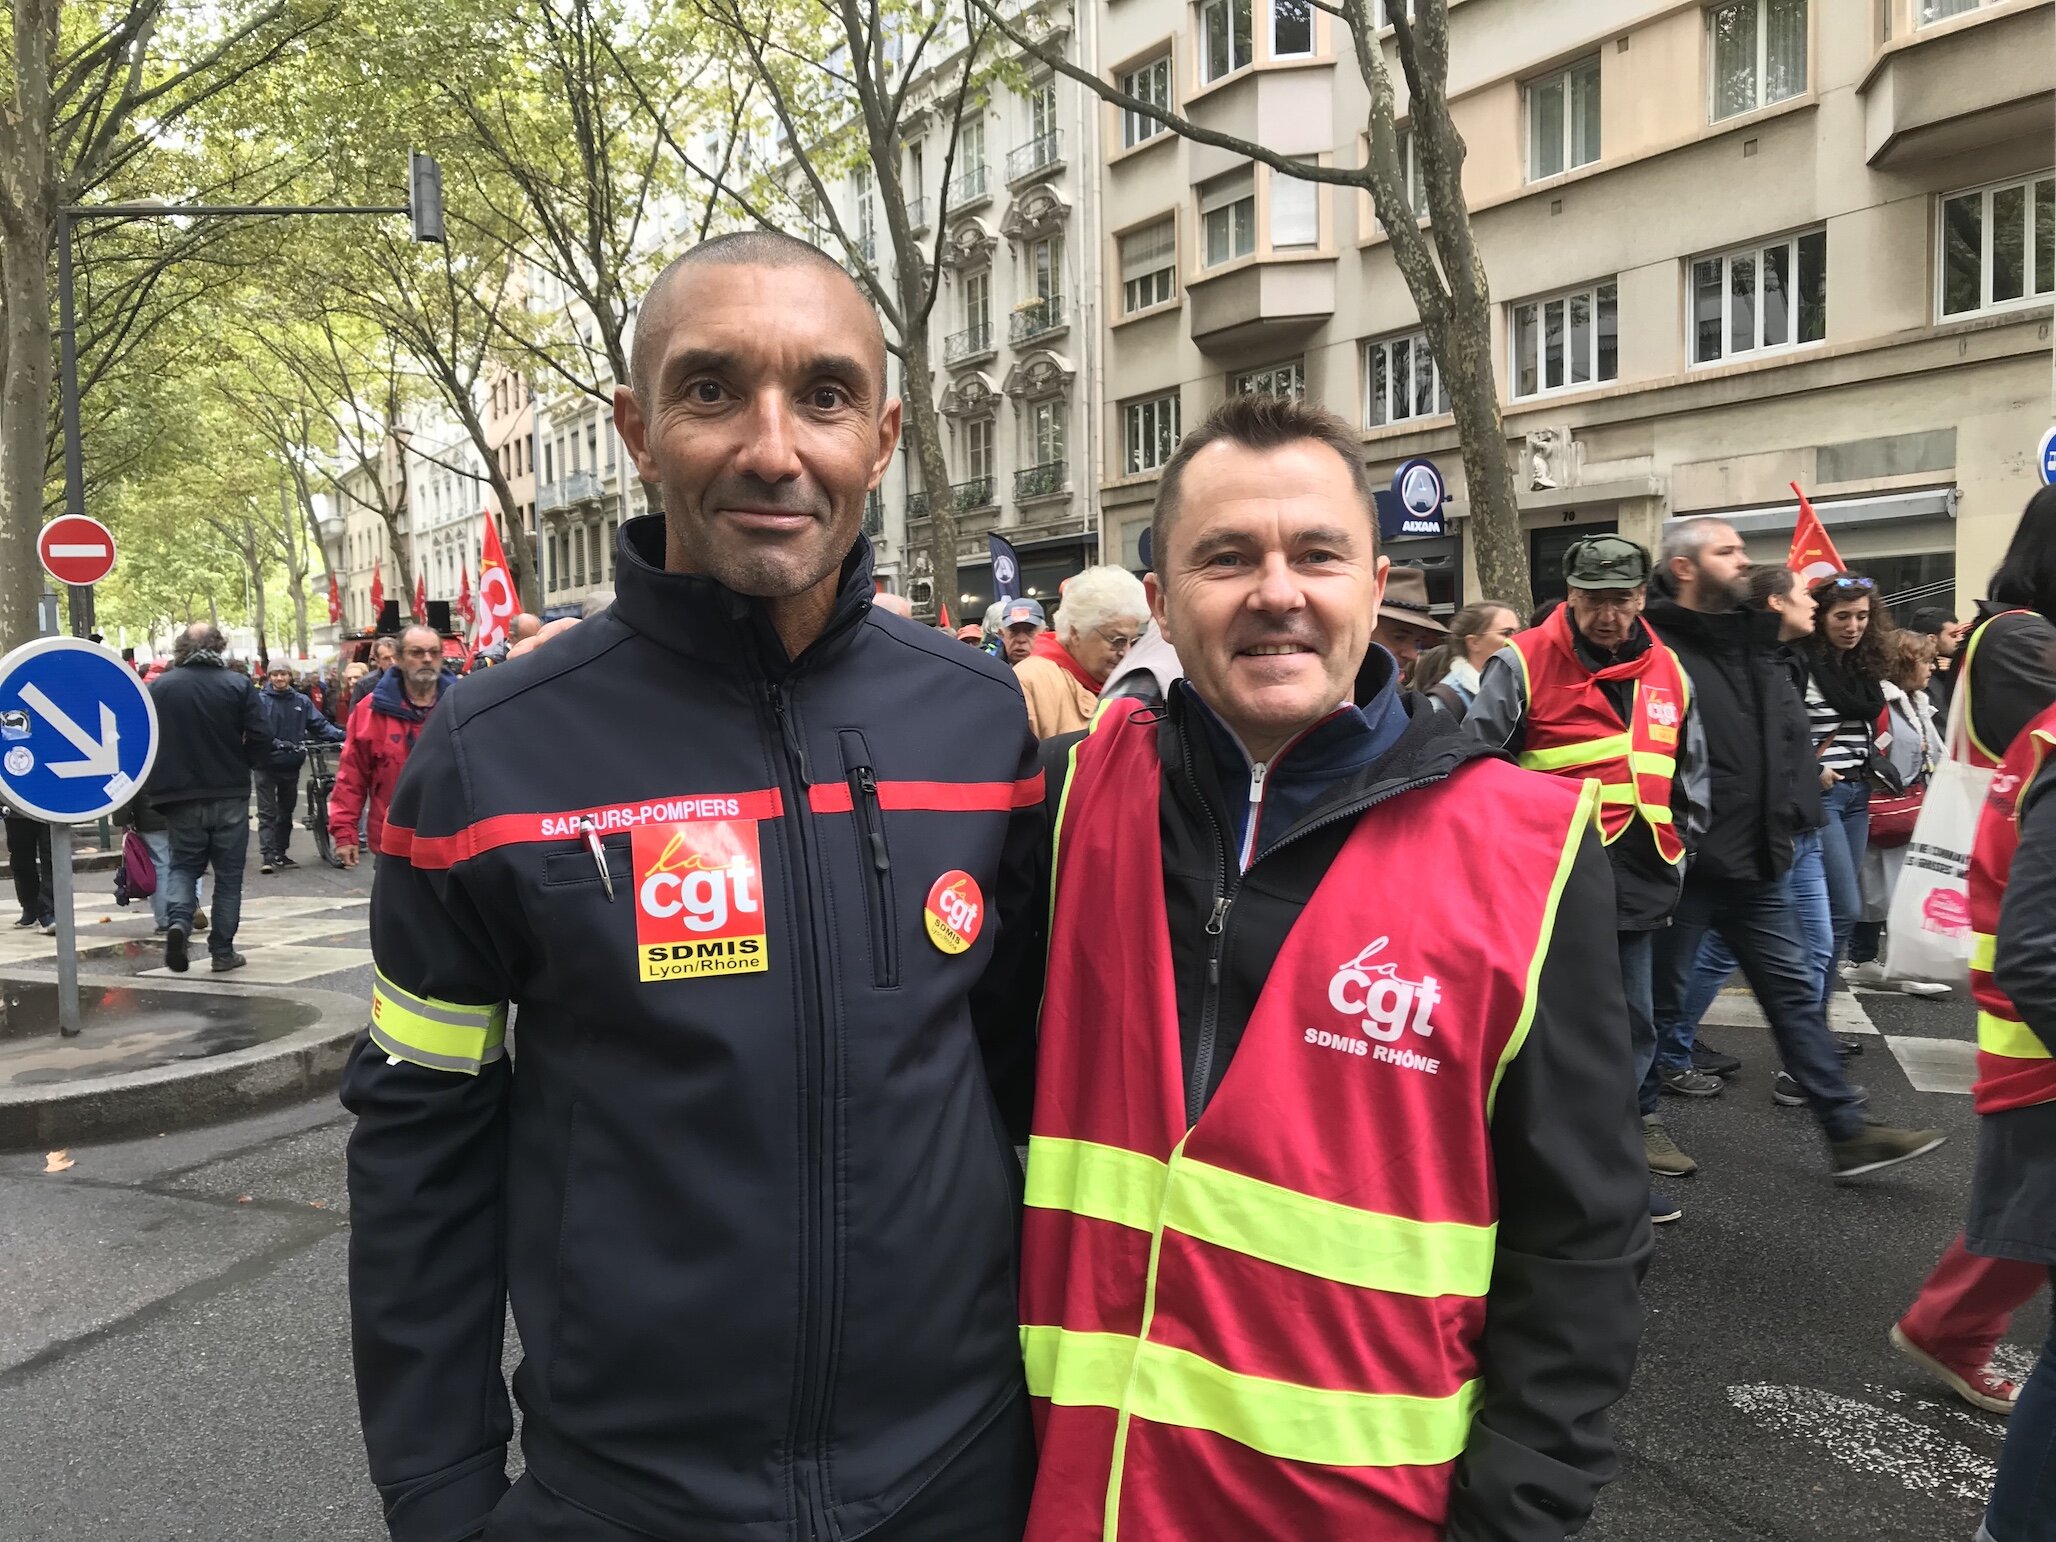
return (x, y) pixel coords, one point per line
(496, 606)
(465, 609)
(1813, 555)
(378, 592)
(420, 596)
(335, 600)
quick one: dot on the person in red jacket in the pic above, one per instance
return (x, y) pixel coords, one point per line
(383, 728)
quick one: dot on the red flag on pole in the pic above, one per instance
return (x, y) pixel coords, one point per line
(496, 603)
(335, 600)
(944, 622)
(378, 592)
(465, 608)
(1813, 555)
(420, 596)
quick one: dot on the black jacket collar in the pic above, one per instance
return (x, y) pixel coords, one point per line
(699, 617)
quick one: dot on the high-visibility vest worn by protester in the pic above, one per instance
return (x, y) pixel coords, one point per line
(1975, 749)
(1574, 730)
(1266, 1324)
(2014, 1067)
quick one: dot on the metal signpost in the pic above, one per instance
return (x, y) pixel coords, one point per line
(78, 735)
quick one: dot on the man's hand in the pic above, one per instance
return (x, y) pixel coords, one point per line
(1828, 778)
(347, 855)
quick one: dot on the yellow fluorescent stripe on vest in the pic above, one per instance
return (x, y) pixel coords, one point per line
(1613, 747)
(1649, 763)
(442, 1035)
(1587, 816)
(1261, 1220)
(1279, 1418)
(1984, 951)
(1616, 792)
(2002, 1036)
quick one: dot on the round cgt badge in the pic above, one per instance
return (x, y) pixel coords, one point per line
(955, 912)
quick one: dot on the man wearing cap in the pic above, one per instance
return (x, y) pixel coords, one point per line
(1020, 621)
(1593, 692)
(1405, 623)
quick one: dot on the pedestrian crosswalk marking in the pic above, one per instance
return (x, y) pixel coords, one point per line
(1935, 1065)
(1871, 1439)
(1738, 1009)
(276, 966)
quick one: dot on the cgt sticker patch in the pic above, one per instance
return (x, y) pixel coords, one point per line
(955, 913)
(699, 899)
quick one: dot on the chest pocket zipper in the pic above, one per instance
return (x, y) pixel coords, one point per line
(875, 858)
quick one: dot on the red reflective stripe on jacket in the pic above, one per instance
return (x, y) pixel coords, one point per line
(2006, 1081)
(440, 851)
(933, 797)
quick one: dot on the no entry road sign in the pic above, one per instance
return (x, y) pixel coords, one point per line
(76, 550)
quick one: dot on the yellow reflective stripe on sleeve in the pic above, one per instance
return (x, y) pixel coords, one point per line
(1282, 1419)
(1587, 815)
(1613, 747)
(1616, 792)
(1649, 763)
(2002, 1036)
(442, 1035)
(1984, 950)
(1312, 1236)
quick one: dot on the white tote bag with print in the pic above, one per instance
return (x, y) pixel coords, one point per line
(1929, 929)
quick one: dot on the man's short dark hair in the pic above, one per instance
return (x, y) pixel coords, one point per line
(1259, 423)
(739, 248)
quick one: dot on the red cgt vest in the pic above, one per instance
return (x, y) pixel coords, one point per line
(2014, 1067)
(1267, 1324)
(1573, 730)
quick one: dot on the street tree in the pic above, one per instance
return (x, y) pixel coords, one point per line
(1432, 247)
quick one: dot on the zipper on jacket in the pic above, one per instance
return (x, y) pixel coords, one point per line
(877, 860)
(818, 1285)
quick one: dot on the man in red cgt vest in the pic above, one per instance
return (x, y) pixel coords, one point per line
(1334, 1213)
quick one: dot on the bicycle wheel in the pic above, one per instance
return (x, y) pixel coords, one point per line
(317, 821)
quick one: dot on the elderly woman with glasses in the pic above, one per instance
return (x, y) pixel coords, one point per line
(1103, 613)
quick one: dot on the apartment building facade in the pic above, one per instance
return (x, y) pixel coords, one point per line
(585, 486)
(509, 419)
(1733, 245)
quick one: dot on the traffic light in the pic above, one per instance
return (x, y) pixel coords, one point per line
(425, 196)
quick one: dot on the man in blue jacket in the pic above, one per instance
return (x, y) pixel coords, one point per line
(739, 849)
(294, 719)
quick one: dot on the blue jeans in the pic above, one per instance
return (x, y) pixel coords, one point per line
(1808, 889)
(1841, 852)
(210, 832)
(159, 842)
(2023, 1507)
(1758, 920)
(1638, 960)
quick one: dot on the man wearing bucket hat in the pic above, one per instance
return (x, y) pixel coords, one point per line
(1593, 692)
(1406, 625)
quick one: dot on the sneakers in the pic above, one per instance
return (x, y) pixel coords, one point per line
(1880, 1146)
(1848, 1046)
(1662, 1152)
(1923, 988)
(224, 962)
(47, 926)
(175, 950)
(28, 919)
(1981, 1388)
(1870, 975)
(284, 861)
(266, 864)
(1785, 1091)
(1688, 1083)
(1662, 1211)
(1714, 1063)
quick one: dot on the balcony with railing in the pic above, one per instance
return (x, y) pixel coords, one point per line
(1037, 318)
(1043, 153)
(978, 493)
(874, 513)
(917, 507)
(974, 342)
(917, 215)
(1048, 480)
(864, 247)
(971, 186)
(574, 487)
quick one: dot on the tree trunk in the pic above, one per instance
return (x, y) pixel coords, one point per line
(513, 538)
(24, 428)
(918, 393)
(1498, 547)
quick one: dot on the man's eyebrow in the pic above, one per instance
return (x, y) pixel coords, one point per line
(1223, 538)
(722, 361)
(1323, 535)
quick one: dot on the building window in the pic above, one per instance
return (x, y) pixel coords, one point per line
(1151, 84)
(978, 448)
(1998, 246)
(1927, 11)
(1152, 432)
(1387, 9)
(1042, 111)
(1563, 120)
(1757, 54)
(1295, 211)
(1149, 266)
(1227, 215)
(1760, 299)
(978, 306)
(1046, 258)
(971, 147)
(1287, 379)
(1045, 445)
(1412, 177)
(549, 461)
(1292, 29)
(867, 214)
(1402, 381)
(1566, 341)
(915, 180)
(1224, 37)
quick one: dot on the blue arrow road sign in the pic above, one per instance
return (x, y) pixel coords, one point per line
(78, 731)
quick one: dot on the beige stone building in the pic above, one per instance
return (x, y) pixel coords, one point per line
(510, 429)
(1732, 245)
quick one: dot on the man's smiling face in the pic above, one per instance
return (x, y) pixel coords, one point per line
(1269, 586)
(763, 419)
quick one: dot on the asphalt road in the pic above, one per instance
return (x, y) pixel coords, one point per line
(174, 1347)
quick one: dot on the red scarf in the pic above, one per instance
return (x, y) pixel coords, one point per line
(1047, 647)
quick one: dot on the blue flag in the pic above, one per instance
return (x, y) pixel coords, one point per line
(1006, 570)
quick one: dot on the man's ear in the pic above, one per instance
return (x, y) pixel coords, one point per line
(1153, 591)
(634, 432)
(888, 439)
